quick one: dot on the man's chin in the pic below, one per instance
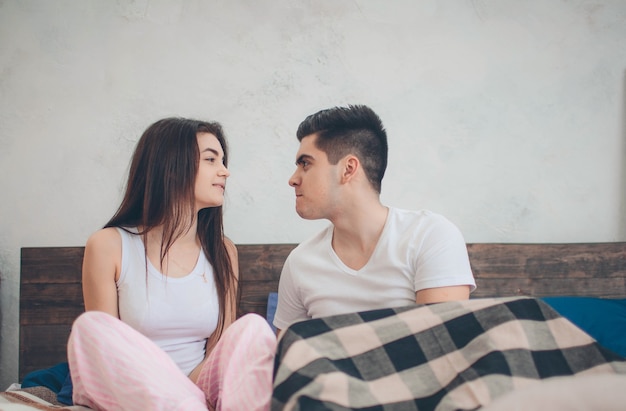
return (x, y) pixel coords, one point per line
(306, 216)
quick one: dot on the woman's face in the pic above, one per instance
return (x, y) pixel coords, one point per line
(212, 173)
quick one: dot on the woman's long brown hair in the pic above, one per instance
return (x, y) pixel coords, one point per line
(160, 192)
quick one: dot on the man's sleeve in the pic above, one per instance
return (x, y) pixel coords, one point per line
(443, 260)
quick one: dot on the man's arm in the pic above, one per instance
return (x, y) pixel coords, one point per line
(442, 294)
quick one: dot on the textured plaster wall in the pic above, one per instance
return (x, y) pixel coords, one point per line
(506, 116)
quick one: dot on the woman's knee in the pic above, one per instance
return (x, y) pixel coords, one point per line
(85, 321)
(251, 325)
(94, 325)
(89, 317)
(252, 321)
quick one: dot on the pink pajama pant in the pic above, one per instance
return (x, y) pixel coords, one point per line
(114, 367)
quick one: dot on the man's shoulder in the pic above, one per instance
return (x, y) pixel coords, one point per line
(411, 225)
(405, 216)
(312, 243)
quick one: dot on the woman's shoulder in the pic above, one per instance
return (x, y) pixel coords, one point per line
(103, 256)
(106, 238)
(230, 246)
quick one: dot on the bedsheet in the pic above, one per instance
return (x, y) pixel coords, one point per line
(448, 356)
(32, 399)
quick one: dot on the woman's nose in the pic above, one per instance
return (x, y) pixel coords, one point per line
(225, 172)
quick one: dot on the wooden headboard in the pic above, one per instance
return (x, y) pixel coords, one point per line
(51, 296)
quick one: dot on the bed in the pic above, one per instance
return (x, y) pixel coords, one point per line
(574, 284)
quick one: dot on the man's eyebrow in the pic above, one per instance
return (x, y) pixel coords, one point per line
(304, 157)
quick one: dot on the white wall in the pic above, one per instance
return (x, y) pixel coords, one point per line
(506, 116)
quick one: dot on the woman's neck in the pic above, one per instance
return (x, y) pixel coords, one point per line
(180, 257)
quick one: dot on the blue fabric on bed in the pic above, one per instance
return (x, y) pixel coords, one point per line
(272, 301)
(602, 318)
(56, 378)
(52, 378)
(64, 396)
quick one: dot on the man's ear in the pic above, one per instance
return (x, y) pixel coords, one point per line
(351, 165)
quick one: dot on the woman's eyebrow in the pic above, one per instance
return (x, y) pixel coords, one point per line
(211, 150)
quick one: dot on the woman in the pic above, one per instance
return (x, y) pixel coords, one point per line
(163, 266)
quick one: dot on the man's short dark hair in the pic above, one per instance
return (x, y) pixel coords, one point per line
(354, 129)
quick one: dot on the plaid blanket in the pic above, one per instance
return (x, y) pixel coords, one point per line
(449, 356)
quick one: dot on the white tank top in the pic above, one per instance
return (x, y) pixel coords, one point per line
(178, 314)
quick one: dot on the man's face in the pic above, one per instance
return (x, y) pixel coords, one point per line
(314, 181)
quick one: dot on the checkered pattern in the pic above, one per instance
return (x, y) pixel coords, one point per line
(449, 356)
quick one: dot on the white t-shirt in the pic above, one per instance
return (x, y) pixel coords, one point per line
(416, 250)
(178, 314)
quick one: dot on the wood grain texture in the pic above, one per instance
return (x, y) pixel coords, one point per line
(538, 270)
(51, 297)
(259, 269)
(50, 300)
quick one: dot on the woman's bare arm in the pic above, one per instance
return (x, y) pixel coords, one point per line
(101, 268)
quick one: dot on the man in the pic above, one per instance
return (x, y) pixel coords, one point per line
(371, 256)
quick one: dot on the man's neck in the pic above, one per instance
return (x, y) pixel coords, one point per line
(356, 233)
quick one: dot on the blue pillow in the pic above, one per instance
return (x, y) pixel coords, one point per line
(272, 301)
(602, 318)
